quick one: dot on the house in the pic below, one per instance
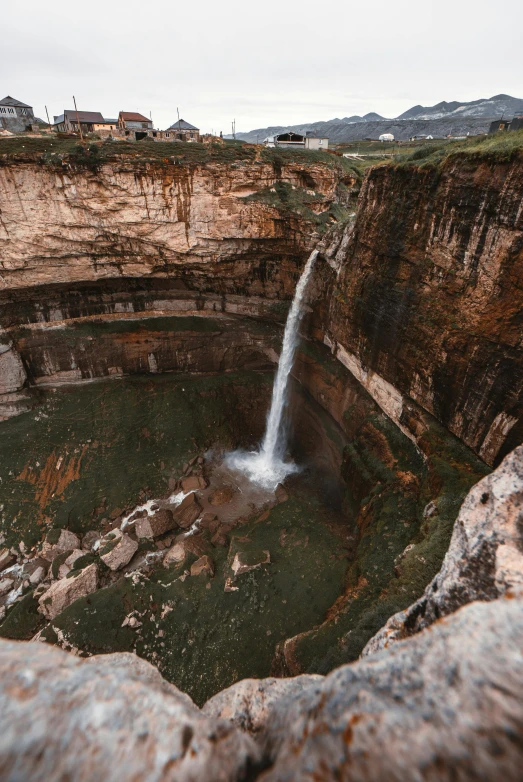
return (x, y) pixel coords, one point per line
(16, 116)
(386, 137)
(89, 121)
(182, 131)
(516, 123)
(134, 125)
(291, 140)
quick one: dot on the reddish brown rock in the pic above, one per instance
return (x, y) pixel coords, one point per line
(187, 512)
(157, 524)
(203, 565)
(194, 483)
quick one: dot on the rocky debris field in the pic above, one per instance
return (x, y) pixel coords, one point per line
(444, 701)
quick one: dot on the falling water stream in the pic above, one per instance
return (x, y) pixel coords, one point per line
(267, 466)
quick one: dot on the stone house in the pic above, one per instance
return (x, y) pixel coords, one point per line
(16, 116)
(182, 131)
(134, 125)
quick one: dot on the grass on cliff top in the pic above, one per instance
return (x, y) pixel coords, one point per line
(496, 148)
(52, 150)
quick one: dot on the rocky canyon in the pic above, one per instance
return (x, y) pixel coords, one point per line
(161, 617)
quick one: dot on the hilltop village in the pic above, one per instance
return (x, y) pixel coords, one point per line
(17, 117)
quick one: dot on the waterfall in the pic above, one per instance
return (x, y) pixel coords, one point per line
(267, 466)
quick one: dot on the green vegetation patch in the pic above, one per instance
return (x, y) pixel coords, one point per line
(91, 450)
(495, 148)
(203, 638)
(290, 199)
(50, 150)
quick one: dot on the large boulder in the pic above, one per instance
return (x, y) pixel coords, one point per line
(445, 704)
(119, 551)
(187, 512)
(193, 483)
(64, 592)
(57, 542)
(248, 703)
(111, 717)
(485, 556)
(156, 524)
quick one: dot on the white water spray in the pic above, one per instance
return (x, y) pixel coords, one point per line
(267, 466)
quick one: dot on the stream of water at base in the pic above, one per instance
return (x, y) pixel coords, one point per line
(267, 465)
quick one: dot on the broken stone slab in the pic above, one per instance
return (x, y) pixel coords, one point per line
(158, 524)
(6, 584)
(182, 548)
(194, 483)
(244, 561)
(176, 555)
(6, 558)
(89, 539)
(57, 542)
(484, 559)
(118, 552)
(63, 593)
(67, 566)
(37, 576)
(187, 512)
(109, 717)
(203, 565)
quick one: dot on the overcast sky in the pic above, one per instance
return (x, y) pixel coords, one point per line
(217, 61)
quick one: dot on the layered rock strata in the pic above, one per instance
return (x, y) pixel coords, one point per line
(424, 302)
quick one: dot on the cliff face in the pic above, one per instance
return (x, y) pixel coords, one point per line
(116, 237)
(196, 222)
(427, 302)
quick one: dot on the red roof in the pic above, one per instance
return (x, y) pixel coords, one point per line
(133, 117)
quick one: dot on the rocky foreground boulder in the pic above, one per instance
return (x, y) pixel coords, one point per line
(438, 697)
(485, 556)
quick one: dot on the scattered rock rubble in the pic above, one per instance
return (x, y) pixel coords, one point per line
(443, 699)
(68, 566)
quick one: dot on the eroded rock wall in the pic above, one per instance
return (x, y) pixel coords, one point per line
(142, 220)
(425, 302)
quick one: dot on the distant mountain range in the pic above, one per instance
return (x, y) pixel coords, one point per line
(444, 118)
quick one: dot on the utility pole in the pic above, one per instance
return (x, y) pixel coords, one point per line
(234, 129)
(78, 121)
(48, 120)
(178, 112)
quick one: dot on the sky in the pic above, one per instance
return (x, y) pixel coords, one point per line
(257, 63)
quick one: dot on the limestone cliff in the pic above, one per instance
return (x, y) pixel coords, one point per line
(425, 299)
